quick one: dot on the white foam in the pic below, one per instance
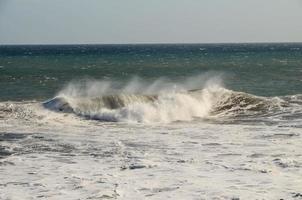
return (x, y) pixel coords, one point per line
(173, 101)
(167, 108)
(63, 156)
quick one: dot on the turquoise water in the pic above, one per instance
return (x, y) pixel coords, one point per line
(38, 72)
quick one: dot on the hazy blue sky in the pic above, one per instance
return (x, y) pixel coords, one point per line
(149, 21)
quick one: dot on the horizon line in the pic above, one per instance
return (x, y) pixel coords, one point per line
(144, 43)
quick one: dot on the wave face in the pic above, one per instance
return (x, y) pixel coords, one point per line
(212, 101)
(134, 107)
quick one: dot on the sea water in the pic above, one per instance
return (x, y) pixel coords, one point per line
(166, 121)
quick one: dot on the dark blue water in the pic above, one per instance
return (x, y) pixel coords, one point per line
(38, 72)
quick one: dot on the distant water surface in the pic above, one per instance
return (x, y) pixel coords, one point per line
(38, 72)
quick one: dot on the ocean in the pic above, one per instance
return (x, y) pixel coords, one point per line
(151, 121)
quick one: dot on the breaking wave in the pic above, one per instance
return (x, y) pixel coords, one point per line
(181, 104)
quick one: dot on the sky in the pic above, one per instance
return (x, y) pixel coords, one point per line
(149, 21)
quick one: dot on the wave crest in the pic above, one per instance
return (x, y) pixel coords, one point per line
(169, 106)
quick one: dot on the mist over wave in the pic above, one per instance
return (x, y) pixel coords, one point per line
(199, 97)
(138, 85)
(159, 101)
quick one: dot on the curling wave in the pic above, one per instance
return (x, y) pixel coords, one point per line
(210, 102)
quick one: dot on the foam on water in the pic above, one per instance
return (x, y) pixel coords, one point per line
(159, 101)
(137, 102)
(196, 138)
(54, 155)
(174, 102)
(53, 150)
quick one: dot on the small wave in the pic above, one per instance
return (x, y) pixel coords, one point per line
(231, 103)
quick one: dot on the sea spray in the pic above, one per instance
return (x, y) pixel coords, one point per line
(137, 85)
(160, 101)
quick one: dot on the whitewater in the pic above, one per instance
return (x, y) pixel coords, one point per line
(135, 143)
(162, 121)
